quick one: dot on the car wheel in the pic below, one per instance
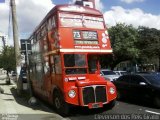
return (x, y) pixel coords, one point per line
(157, 102)
(60, 105)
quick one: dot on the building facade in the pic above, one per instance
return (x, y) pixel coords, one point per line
(3, 41)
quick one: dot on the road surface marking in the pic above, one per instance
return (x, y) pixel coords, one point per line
(152, 112)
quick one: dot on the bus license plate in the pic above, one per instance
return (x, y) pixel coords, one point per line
(96, 105)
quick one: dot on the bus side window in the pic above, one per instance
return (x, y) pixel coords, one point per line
(46, 68)
(53, 66)
(53, 69)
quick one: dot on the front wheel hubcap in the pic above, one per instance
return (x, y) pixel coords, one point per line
(57, 103)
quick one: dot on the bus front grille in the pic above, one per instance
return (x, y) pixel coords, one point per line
(93, 94)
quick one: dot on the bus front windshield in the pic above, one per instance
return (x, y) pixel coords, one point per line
(75, 63)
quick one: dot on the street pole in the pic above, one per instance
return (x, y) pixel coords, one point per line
(15, 34)
(16, 42)
(28, 70)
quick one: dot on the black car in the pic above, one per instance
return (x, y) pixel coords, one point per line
(23, 75)
(139, 86)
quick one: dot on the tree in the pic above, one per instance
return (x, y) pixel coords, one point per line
(7, 59)
(149, 44)
(123, 40)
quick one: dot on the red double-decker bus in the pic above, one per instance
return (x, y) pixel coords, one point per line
(64, 65)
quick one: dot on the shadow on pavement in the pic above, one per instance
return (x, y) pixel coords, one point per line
(7, 94)
(139, 102)
(4, 84)
(23, 100)
(84, 111)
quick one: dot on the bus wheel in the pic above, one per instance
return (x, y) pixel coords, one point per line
(60, 105)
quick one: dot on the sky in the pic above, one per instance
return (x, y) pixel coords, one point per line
(31, 12)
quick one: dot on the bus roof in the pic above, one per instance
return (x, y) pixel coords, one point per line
(77, 9)
(69, 8)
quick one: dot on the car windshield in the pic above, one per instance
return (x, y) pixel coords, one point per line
(107, 72)
(120, 72)
(153, 79)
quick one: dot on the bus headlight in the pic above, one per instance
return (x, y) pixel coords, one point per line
(71, 93)
(112, 90)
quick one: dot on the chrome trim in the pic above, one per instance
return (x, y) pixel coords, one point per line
(94, 87)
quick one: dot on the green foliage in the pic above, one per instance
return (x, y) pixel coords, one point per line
(141, 46)
(149, 44)
(7, 58)
(123, 40)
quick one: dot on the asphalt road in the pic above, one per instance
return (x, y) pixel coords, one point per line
(122, 110)
(13, 106)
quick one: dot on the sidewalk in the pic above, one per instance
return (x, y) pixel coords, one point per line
(12, 104)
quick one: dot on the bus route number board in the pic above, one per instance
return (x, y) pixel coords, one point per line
(86, 35)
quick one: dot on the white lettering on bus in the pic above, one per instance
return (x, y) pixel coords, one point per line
(87, 47)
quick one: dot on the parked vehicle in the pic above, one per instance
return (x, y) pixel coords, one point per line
(141, 86)
(65, 60)
(13, 73)
(5, 77)
(22, 83)
(109, 75)
(23, 75)
(120, 73)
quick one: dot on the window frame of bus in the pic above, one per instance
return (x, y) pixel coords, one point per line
(75, 68)
(82, 15)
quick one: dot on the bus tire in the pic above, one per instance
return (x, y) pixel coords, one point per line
(60, 105)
